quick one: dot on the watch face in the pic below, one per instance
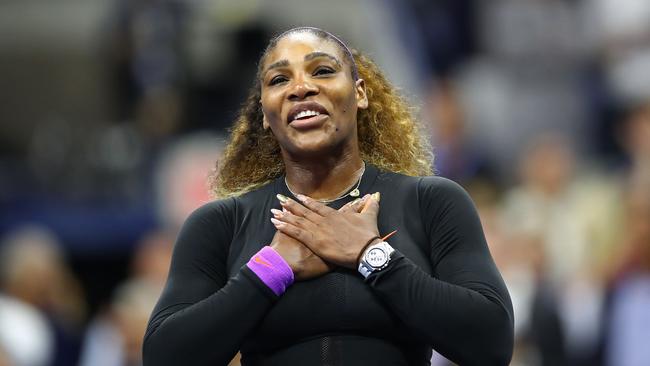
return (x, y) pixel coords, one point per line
(376, 257)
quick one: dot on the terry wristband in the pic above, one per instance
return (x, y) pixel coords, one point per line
(272, 269)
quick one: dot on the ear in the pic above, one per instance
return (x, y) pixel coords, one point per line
(265, 123)
(362, 97)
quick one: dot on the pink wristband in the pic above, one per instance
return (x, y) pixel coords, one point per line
(272, 269)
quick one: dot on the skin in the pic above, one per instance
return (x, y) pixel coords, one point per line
(302, 260)
(337, 237)
(321, 161)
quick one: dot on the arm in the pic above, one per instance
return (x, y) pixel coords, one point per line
(464, 310)
(203, 316)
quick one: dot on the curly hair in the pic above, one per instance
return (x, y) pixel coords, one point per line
(389, 136)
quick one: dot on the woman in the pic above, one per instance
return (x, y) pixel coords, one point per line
(321, 138)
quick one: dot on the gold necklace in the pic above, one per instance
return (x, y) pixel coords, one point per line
(353, 193)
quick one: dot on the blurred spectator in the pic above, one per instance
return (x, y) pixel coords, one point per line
(34, 271)
(629, 304)
(563, 223)
(146, 62)
(636, 141)
(114, 337)
(541, 207)
(448, 29)
(622, 33)
(634, 138)
(181, 176)
(527, 78)
(152, 258)
(457, 155)
(628, 330)
(25, 336)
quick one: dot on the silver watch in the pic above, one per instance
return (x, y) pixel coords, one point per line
(375, 258)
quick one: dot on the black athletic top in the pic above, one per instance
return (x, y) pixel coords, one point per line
(441, 289)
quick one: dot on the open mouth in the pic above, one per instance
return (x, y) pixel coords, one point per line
(306, 112)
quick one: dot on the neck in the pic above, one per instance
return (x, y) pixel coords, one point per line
(323, 178)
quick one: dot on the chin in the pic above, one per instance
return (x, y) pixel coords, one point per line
(314, 146)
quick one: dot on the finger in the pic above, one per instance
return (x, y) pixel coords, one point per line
(297, 209)
(315, 206)
(289, 218)
(297, 233)
(366, 200)
(372, 205)
(353, 206)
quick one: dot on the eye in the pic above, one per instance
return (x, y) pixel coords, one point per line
(323, 70)
(278, 79)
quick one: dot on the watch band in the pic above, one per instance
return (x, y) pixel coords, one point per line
(365, 268)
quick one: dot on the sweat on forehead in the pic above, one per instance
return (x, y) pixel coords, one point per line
(319, 33)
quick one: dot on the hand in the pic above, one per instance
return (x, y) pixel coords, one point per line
(303, 262)
(335, 236)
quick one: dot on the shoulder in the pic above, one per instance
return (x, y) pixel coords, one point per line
(206, 233)
(441, 188)
(429, 188)
(212, 216)
(396, 181)
(214, 209)
(441, 197)
(257, 196)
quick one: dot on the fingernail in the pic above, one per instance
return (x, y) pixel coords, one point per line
(301, 197)
(276, 212)
(276, 222)
(355, 201)
(282, 198)
(376, 196)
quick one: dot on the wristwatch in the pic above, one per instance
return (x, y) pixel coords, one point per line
(375, 258)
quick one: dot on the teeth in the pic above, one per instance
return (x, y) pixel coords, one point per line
(304, 114)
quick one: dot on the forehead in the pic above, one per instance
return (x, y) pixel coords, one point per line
(294, 47)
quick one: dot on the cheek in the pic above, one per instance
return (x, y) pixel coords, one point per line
(272, 113)
(272, 118)
(271, 100)
(347, 112)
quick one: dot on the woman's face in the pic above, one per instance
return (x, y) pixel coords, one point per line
(309, 97)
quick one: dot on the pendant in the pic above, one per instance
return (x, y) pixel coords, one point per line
(354, 193)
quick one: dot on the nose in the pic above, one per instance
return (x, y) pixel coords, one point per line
(302, 89)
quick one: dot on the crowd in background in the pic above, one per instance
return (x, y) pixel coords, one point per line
(114, 112)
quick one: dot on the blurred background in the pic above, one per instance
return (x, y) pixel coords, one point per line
(112, 114)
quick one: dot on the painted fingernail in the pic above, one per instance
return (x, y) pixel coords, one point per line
(282, 198)
(301, 197)
(276, 222)
(276, 212)
(376, 196)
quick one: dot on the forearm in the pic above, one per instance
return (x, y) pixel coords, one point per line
(210, 331)
(469, 325)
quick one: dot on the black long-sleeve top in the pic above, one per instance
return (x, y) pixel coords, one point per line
(441, 289)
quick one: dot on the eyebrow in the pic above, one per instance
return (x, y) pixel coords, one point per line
(275, 65)
(313, 55)
(308, 57)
